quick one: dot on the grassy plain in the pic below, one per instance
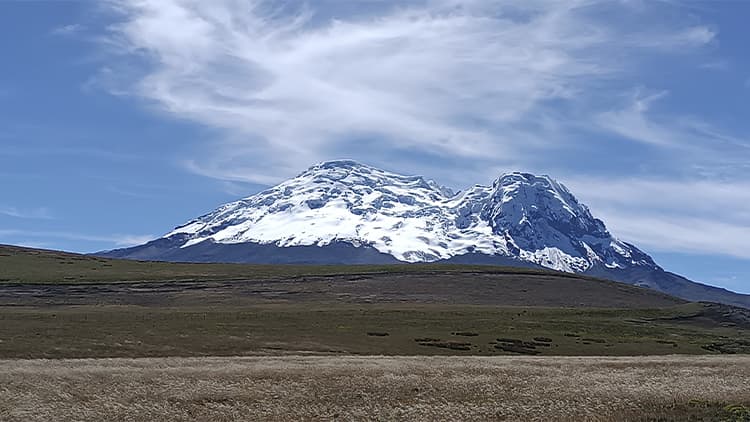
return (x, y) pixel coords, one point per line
(669, 388)
(360, 329)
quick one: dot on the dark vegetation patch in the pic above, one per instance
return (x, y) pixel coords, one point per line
(377, 334)
(465, 333)
(523, 343)
(452, 345)
(520, 346)
(426, 339)
(515, 348)
(728, 346)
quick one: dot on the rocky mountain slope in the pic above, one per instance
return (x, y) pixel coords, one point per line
(344, 212)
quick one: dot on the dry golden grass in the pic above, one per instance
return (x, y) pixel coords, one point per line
(375, 388)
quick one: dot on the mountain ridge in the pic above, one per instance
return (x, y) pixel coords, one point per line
(342, 211)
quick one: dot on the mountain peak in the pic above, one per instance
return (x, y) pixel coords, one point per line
(524, 216)
(337, 164)
(540, 181)
(337, 169)
(528, 177)
(527, 187)
(351, 172)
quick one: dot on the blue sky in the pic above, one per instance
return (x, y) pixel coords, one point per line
(121, 119)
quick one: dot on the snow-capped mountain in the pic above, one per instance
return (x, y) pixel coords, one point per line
(347, 212)
(529, 217)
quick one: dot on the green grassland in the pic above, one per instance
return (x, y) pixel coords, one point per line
(373, 329)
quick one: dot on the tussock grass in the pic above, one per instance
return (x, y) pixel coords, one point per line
(667, 388)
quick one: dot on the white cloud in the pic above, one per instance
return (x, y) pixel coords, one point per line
(675, 233)
(679, 196)
(294, 85)
(700, 216)
(688, 37)
(634, 123)
(35, 213)
(691, 134)
(68, 29)
(717, 65)
(125, 240)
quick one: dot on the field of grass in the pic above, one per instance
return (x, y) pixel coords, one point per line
(365, 329)
(666, 388)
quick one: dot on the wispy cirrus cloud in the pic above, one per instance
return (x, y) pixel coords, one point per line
(33, 213)
(635, 122)
(68, 29)
(297, 84)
